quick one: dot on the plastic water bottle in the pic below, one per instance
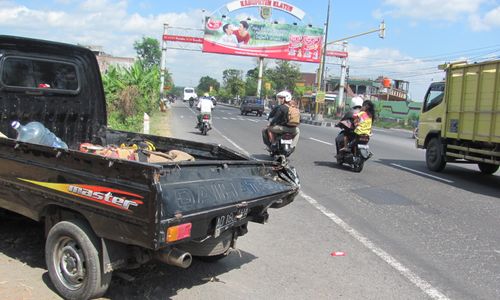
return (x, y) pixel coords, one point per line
(36, 133)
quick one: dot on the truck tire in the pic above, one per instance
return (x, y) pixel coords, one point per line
(434, 157)
(487, 168)
(72, 257)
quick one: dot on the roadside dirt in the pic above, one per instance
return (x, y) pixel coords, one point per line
(159, 123)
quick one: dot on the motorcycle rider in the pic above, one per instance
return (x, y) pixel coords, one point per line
(205, 106)
(362, 122)
(347, 122)
(279, 123)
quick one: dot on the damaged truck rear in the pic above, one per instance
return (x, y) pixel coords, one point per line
(102, 213)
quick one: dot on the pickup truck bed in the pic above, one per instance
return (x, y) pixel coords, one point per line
(100, 213)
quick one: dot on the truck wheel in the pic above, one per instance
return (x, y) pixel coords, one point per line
(487, 168)
(72, 258)
(434, 157)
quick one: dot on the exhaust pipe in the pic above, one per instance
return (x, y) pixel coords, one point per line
(175, 257)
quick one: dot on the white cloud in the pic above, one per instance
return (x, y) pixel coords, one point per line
(450, 10)
(490, 20)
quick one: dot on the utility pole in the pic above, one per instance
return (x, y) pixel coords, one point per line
(162, 63)
(381, 34)
(343, 65)
(321, 69)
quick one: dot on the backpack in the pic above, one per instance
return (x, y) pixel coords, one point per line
(293, 116)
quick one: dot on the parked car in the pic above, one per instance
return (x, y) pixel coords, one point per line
(252, 104)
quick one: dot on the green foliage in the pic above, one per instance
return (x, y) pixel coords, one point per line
(233, 82)
(284, 76)
(251, 86)
(223, 95)
(130, 93)
(148, 51)
(205, 83)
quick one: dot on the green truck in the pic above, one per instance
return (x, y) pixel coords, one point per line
(460, 119)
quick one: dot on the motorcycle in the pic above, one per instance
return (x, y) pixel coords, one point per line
(205, 126)
(191, 102)
(283, 146)
(357, 153)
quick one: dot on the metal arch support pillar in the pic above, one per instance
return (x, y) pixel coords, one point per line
(259, 79)
(163, 62)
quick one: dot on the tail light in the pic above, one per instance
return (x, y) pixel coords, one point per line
(179, 232)
(206, 117)
(288, 136)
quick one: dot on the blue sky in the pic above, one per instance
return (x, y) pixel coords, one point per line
(420, 34)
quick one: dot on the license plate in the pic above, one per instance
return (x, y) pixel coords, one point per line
(225, 222)
(289, 142)
(363, 147)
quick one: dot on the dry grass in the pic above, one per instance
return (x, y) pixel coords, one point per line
(159, 123)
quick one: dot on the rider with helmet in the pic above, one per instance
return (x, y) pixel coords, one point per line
(347, 121)
(205, 106)
(280, 123)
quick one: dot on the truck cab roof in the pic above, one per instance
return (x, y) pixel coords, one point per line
(54, 83)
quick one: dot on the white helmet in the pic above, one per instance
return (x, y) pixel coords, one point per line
(286, 95)
(356, 101)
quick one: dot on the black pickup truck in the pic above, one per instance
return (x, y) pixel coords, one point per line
(101, 214)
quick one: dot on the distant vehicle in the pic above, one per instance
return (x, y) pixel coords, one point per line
(252, 104)
(214, 100)
(459, 122)
(189, 93)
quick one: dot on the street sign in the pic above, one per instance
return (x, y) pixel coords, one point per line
(340, 54)
(182, 38)
(320, 97)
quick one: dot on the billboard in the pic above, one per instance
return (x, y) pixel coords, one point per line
(269, 40)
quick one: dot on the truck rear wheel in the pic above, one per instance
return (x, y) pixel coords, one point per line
(434, 157)
(72, 257)
(487, 168)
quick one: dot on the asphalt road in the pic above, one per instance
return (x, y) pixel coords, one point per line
(393, 231)
(407, 233)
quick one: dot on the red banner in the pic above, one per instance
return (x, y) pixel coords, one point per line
(341, 54)
(181, 38)
(276, 52)
(252, 38)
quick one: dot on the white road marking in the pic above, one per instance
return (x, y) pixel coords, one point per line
(252, 120)
(426, 287)
(224, 118)
(321, 141)
(233, 118)
(233, 143)
(422, 173)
